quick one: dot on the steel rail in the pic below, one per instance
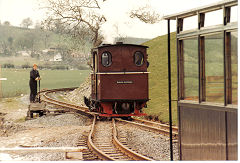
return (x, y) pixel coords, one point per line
(95, 150)
(57, 89)
(124, 149)
(155, 129)
(72, 107)
(84, 110)
(161, 128)
(156, 124)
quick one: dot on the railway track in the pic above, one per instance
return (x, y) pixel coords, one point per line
(104, 142)
(100, 141)
(153, 126)
(156, 124)
(75, 108)
(108, 147)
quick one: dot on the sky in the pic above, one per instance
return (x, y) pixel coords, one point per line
(116, 11)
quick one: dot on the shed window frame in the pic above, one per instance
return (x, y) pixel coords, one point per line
(205, 69)
(183, 70)
(225, 28)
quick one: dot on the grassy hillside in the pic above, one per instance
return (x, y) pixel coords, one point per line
(131, 40)
(14, 39)
(158, 78)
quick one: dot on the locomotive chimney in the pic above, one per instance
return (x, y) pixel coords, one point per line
(105, 44)
(119, 43)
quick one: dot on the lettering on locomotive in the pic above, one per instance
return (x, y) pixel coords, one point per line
(124, 82)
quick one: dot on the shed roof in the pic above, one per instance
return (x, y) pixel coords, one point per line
(203, 9)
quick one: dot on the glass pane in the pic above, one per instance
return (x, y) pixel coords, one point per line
(190, 23)
(138, 58)
(213, 18)
(234, 14)
(234, 58)
(214, 68)
(106, 59)
(190, 51)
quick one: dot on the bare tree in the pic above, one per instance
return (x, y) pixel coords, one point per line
(146, 14)
(38, 25)
(6, 23)
(26, 22)
(79, 17)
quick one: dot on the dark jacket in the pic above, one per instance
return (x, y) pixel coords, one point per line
(33, 75)
(33, 84)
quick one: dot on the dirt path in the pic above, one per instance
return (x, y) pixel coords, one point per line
(47, 131)
(15, 108)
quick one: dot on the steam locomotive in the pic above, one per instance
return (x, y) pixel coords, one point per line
(119, 80)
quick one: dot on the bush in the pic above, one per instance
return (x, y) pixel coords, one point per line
(60, 67)
(83, 67)
(8, 65)
(26, 66)
(40, 67)
(35, 55)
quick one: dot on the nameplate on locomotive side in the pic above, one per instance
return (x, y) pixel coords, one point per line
(124, 82)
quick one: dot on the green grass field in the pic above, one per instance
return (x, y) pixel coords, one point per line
(158, 78)
(18, 80)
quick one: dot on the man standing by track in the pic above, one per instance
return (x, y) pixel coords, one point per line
(34, 77)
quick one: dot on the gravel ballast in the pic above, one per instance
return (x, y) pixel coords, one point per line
(63, 130)
(59, 120)
(153, 145)
(76, 96)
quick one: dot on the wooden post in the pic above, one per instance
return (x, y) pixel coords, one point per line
(0, 81)
(201, 60)
(169, 92)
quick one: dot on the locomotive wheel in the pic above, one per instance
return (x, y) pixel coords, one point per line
(109, 118)
(130, 118)
(31, 114)
(127, 118)
(40, 114)
(90, 109)
(103, 118)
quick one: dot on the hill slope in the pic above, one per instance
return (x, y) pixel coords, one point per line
(16, 38)
(131, 40)
(158, 78)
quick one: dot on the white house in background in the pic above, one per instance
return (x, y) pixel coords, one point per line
(24, 53)
(45, 51)
(57, 58)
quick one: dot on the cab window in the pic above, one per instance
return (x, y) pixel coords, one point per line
(138, 58)
(106, 59)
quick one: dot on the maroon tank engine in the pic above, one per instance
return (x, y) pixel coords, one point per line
(119, 80)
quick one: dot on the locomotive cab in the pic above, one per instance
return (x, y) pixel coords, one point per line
(119, 80)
